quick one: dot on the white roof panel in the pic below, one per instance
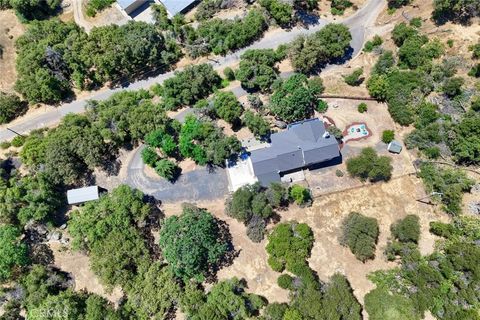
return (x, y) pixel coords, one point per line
(82, 194)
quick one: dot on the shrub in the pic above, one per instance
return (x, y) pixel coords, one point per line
(166, 169)
(18, 141)
(5, 145)
(149, 156)
(476, 103)
(285, 281)
(94, 6)
(416, 22)
(450, 43)
(360, 234)
(406, 229)
(432, 152)
(336, 132)
(10, 107)
(300, 194)
(368, 165)
(382, 304)
(354, 79)
(322, 106)
(289, 244)
(453, 86)
(362, 107)
(475, 71)
(229, 74)
(374, 43)
(256, 229)
(339, 173)
(388, 136)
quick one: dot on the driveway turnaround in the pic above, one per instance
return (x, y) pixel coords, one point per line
(197, 185)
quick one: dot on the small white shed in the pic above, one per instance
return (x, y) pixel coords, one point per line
(81, 195)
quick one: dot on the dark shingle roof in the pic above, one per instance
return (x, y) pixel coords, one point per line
(303, 143)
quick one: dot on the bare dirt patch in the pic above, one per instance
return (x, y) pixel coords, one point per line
(10, 30)
(78, 265)
(387, 202)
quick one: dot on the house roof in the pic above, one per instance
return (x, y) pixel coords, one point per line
(177, 6)
(303, 143)
(124, 4)
(394, 146)
(82, 194)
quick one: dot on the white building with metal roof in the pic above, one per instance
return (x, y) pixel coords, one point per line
(80, 195)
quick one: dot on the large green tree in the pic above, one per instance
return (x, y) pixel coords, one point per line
(192, 243)
(13, 252)
(10, 107)
(324, 46)
(360, 234)
(257, 69)
(289, 244)
(294, 99)
(108, 230)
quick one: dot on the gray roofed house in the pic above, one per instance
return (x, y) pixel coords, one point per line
(81, 195)
(131, 5)
(394, 147)
(179, 6)
(303, 144)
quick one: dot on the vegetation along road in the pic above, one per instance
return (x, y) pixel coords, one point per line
(357, 23)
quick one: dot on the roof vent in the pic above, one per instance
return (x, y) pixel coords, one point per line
(326, 134)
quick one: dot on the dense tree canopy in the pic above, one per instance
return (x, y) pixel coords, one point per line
(449, 183)
(257, 69)
(368, 165)
(253, 205)
(32, 9)
(281, 12)
(153, 293)
(227, 107)
(289, 244)
(195, 82)
(108, 230)
(13, 252)
(360, 234)
(192, 243)
(455, 10)
(222, 36)
(443, 282)
(10, 107)
(324, 46)
(31, 197)
(53, 54)
(295, 98)
(227, 299)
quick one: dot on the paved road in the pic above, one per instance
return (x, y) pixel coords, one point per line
(357, 23)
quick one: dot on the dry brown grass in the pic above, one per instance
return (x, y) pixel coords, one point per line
(10, 30)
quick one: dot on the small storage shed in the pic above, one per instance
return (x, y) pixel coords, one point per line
(394, 147)
(80, 195)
